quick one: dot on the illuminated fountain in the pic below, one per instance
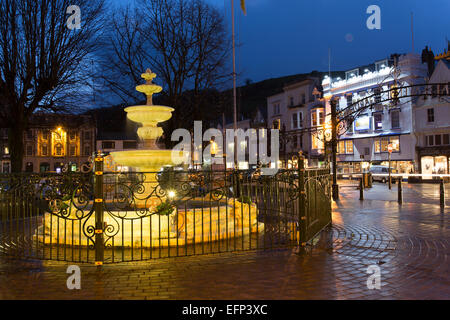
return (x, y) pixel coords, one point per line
(140, 204)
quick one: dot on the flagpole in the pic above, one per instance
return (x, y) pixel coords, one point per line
(234, 77)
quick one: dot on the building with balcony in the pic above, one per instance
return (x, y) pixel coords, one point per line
(53, 141)
(365, 140)
(294, 111)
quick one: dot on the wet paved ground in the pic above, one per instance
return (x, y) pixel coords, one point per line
(409, 243)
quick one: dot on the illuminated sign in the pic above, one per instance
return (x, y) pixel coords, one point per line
(362, 123)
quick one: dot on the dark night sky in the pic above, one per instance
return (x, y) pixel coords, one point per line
(283, 37)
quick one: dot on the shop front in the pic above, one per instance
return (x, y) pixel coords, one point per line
(434, 161)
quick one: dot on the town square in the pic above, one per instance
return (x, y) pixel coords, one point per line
(206, 150)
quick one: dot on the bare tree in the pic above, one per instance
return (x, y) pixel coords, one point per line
(183, 41)
(43, 64)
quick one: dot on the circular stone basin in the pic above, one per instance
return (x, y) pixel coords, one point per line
(151, 160)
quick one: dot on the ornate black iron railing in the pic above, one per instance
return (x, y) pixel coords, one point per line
(105, 217)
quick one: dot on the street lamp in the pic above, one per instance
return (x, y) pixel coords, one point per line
(335, 187)
(327, 136)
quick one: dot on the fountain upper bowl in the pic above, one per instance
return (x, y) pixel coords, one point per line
(149, 114)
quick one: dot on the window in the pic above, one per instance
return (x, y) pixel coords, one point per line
(445, 138)
(437, 139)
(72, 150)
(377, 146)
(430, 140)
(276, 124)
(44, 150)
(291, 101)
(349, 146)
(434, 90)
(317, 117)
(45, 134)
(380, 65)
(384, 144)
(29, 134)
(294, 120)
(345, 147)
(276, 108)
(58, 149)
(351, 74)
(129, 145)
(29, 150)
(314, 118)
(395, 142)
(430, 115)
(395, 119)
(87, 150)
(321, 118)
(341, 147)
(87, 135)
(377, 92)
(381, 145)
(108, 145)
(394, 94)
(349, 100)
(72, 135)
(303, 100)
(295, 142)
(444, 89)
(378, 120)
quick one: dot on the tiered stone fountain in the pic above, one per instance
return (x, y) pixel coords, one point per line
(149, 158)
(227, 217)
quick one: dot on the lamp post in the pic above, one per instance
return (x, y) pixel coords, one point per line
(389, 169)
(335, 187)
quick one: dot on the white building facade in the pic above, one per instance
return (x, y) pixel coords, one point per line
(365, 141)
(432, 123)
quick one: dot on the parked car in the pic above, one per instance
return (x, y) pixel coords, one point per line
(384, 170)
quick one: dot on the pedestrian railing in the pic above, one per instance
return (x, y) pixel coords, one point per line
(398, 178)
(106, 217)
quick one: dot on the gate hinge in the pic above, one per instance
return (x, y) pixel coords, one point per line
(98, 173)
(98, 200)
(98, 263)
(98, 231)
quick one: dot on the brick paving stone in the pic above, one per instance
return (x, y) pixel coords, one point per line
(410, 243)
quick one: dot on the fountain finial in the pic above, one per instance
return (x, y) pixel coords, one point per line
(149, 88)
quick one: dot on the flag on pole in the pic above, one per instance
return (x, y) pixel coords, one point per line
(243, 7)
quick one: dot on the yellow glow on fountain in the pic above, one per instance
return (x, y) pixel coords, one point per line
(150, 158)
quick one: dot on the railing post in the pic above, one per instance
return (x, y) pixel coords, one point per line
(442, 193)
(361, 188)
(98, 207)
(302, 207)
(400, 195)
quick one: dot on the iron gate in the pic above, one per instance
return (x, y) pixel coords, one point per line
(106, 217)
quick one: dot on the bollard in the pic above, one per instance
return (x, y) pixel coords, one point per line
(442, 193)
(361, 189)
(400, 195)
